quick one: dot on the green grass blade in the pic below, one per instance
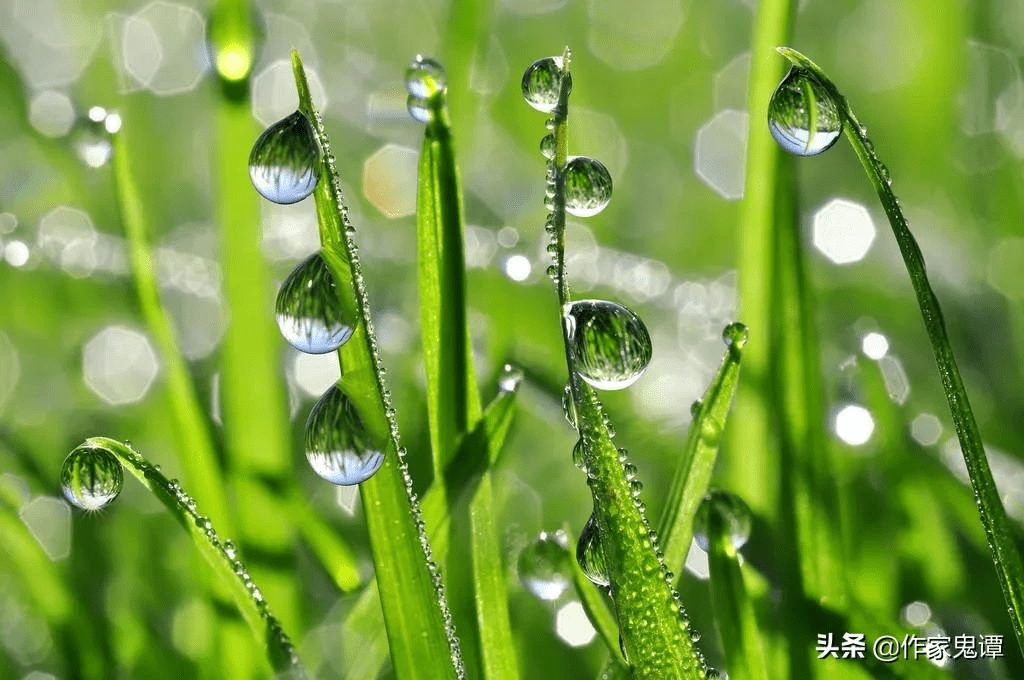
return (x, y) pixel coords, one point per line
(453, 403)
(198, 458)
(422, 641)
(489, 436)
(734, 612)
(692, 475)
(1000, 534)
(596, 608)
(251, 603)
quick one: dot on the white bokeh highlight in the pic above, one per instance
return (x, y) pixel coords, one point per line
(119, 365)
(843, 231)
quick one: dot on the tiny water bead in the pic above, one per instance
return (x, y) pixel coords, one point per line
(726, 511)
(547, 146)
(91, 477)
(588, 186)
(544, 565)
(802, 116)
(735, 335)
(309, 311)
(419, 109)
(510, 378)
(590, 554)
(425, 77)
(610, 345)
(284, 163)
(339, 448)
(542, 81)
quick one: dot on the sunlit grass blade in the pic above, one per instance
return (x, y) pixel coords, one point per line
(1001, 535)
(197, 454)
(693, 473)
(488, 436)
(217, 552)
(256, 435)
(422, 641)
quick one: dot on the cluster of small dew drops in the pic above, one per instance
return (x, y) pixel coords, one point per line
(300, 185)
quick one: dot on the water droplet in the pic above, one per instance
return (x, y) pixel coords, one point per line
(590, 555)
(229, 549)
(284, 163)
(310, 312)
(722, 511)
(715, 674)
(588, 186)
(425, 77)
(610, 344)
(338, 446)
(735, 335)
(510, 378)
(802, 115)
(578, 455)
(419, 109)
(542, 81)
(569, 406)
(695, 408)
(544, 565)
(91, 477)
(547, 146)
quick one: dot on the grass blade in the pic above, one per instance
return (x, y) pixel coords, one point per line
(422, 641)
(692, 475)
(219, 554)
(999, 532)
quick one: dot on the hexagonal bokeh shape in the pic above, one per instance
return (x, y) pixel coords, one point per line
(51, 113)
(843, 231)
(573, 626)
(49, 520)
(163, 48)
(720, 152)
(389, 180)
(119, 365)
(897, 384)
(1006, 268)
(630, 36)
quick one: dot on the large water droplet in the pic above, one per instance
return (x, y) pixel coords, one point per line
(542, 81)
(544, 565)
(338, 446)
(610, 344)
(310, 312)
(425, 77)
(735, 335)
(725, 511)
(284, 163)
(590, 555)
(802, 116)
(91, 477)
(588, 186)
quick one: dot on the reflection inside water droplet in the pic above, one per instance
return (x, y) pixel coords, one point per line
(425, 77)
(610, 345)
(284, 163)
(590, 554)
(510, 378)
(541, 83)
(802, 115)
(588, 186)
(310, 313)
(91, 477)
(544, 565)
(725, 512)
(735, 335)
(339, 448)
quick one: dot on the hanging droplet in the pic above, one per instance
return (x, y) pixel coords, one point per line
(695, 408)
(579, 458)
(419, 109)
(547, 146)
(802, 116)
(510, 378)
(310, 313)
(735, 335)
(91, 477)
(590, 554)
(339, 448)
(725, 512)
(569, 406)
(425, 77)
(610, 345)
(542, 81)
(544, 565)
(284, 163)
(588, 186)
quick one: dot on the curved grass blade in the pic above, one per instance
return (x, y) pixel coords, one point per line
(692, 475)
(1000, 534)
(422, 639)
(652, 625)
(217, 552)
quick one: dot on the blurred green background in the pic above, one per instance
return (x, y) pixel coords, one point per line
(659, 97)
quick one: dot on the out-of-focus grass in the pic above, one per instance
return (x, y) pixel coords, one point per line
(910, 528)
